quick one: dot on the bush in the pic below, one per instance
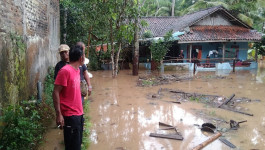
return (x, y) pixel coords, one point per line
(22, 127)
(260, 46)
(48, 87)
(87, 125)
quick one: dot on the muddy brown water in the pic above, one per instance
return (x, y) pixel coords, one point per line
(123, 116)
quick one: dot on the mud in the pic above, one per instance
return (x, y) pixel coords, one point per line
(124, 114)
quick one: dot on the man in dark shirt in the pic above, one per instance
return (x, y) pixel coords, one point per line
(84, 73)
(64, 53)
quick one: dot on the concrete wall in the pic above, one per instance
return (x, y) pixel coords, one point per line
(29, 38)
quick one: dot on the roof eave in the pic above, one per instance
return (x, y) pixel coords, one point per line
(215, 41)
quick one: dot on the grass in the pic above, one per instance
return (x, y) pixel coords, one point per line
(86, 132)
(147, 82)
(192, 98)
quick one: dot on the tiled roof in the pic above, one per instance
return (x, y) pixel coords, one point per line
(159, 26)
(220, 33)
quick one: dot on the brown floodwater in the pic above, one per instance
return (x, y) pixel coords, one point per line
(123, 114)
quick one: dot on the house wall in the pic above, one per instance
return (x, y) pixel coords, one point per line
(29, 39)
(206, 47)
(214, 19)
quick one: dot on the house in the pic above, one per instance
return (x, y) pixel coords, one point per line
(213, 31)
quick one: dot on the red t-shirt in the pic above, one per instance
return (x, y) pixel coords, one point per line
(70, 97)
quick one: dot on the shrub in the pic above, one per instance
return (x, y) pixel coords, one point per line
(48, 87)
(22, 127)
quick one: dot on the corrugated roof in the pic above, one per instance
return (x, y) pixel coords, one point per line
(215, 33)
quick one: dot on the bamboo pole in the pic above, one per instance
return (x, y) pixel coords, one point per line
(205, 143)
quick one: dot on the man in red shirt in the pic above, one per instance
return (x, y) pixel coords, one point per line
(67, 100)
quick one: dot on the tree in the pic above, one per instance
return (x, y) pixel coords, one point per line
(160, 48)
(260, 46)
(100, 21)
(173, 7)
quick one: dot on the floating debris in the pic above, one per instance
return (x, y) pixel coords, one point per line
(149, 80)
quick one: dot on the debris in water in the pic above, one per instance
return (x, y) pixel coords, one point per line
(226, 142)
(176, 136)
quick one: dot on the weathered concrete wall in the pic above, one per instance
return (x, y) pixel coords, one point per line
(29, 38)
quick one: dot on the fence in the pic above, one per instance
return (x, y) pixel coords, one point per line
(205, 63)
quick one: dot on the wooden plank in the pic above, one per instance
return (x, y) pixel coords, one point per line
(164, 124)
(226, 142)
(229, 99)
(210, 140)
(168, 128)
(167, 136)
(241, 112)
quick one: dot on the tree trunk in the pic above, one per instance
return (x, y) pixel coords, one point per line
(173, 8)
(117, 61)
(112, 48)
(65, 25)
(136, 46)
(88, 42)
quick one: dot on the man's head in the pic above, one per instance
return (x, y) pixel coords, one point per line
(82, 45)
(76, 54)
(181, 51)
(64, 52)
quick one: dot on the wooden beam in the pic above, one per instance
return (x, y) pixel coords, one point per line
(210, 140)
(237, 111)
(168, 136)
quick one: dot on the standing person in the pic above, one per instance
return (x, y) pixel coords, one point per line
(64, 53)
(181, 56)
(84, 73)
(67, 100)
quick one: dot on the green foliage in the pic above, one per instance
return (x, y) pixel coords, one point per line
(160, 48)
(103, 21)
(192, 98)
(147, 34)
(94, 61)
(87, 125)
(48, 87)
(260, 46)
(147, 82)
(23, 124)
(22, 127)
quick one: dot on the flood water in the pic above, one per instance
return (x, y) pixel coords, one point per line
(123, 115)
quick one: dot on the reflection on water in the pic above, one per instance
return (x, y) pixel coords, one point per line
(122, 116)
